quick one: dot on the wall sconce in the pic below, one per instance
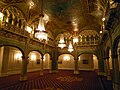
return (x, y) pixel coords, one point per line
(66, 58)
(18, 56)
(33, 57)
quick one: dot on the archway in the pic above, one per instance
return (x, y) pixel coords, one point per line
(118, 51)
(95, 62)
(88, 61)
(66, 62)
(116, 65)
(34, 61)
(110, 59)
(47, 61)
(10, 60)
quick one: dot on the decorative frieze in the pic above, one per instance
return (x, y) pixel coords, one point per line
(12, 36)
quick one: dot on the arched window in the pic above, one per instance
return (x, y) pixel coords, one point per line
(5, 16)
(19, 23)
(15, 21)
(10, 19)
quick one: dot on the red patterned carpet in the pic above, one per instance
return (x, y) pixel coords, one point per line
(63, 80)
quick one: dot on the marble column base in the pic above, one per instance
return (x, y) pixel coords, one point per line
(23, 78)
(76, 72)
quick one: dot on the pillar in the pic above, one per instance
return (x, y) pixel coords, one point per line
(23, 75)
(108, 69)
(105, 67)
(101, 67)
(116, 74)
(50, 65)
(41, 71)
(54, 63)
(4, 60)
(76, 71)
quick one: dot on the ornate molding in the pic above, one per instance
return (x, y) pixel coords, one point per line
(9, 35)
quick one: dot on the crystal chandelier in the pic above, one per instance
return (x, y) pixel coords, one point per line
(61, 43)
(75, 39)
(70, 47)
(41, 33)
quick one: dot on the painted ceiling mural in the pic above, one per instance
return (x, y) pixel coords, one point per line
(63, 14)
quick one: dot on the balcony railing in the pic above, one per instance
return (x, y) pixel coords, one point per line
(22, 32)
(11, 28)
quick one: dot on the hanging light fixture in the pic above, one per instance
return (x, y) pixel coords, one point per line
(61, 43)
(41, 33)
(75, 39)
(70, 47)
(1, 16)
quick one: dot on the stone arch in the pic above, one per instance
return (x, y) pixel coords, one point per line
(66, 61)
(66, 53)
(10, 18)
(115, 45)
(37, 51)
(35, 60)
(21, 49)
(88, 61)
(89, 53)
(17, 15)
(47, 61)
(107, 51)
(11, 57)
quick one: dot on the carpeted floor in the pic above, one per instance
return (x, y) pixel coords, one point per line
(63, 80)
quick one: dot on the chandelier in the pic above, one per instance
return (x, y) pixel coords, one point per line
(61, 43)
(71, 41)
(70, 47)
(41, 33)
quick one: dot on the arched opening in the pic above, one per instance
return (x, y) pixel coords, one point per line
(66, 62)
(46, 61)
(118, 51)
(10, 60)
(35, 59)
(110, 60)
(95, 62)
(88, 61)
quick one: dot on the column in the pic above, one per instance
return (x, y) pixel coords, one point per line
(108, 69)
(41, 71)
(101, 67)
(76, 71)
(50, 65)
(4, 60)
(23, 76)
(105, 66)
(116, 75)
(54, 63)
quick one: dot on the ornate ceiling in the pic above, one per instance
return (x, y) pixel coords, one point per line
(64, 15)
